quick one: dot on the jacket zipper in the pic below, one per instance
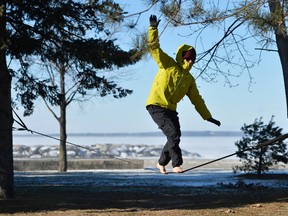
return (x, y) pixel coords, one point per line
(178, 84)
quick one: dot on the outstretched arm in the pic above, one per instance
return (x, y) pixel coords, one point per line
(200, 105)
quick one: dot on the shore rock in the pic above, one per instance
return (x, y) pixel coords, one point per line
(97, 151)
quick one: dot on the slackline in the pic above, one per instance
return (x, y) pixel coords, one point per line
(266, 143)
(25, 128)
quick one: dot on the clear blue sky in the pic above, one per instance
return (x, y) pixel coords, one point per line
(232, 106)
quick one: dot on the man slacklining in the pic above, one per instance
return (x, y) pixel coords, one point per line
(172, 82)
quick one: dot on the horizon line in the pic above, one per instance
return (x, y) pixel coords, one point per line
(151, 133)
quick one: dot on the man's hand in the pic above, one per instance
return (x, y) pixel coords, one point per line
(214, 121)
(153, 21)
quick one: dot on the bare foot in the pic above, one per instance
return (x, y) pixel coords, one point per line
(162, 169)
(177, 169)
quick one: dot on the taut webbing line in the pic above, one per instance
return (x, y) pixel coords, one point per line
(266, 143)
(24, 127)
(269, 142)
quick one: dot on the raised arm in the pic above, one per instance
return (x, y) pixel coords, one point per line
(161, 58)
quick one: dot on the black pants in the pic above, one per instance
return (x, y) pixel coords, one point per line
(168, 121)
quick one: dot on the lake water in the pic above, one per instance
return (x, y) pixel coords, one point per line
(206, 146)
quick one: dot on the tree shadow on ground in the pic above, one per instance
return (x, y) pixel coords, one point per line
(34, 199)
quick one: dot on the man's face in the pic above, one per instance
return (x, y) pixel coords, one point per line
(189, 56)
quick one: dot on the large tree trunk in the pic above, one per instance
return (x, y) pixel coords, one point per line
(6, 118)
(281, 41)
(282, 44)
(62, 122)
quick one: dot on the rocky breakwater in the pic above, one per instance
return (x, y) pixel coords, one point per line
(96, 151)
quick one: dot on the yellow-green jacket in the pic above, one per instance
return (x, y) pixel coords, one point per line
(173, 82)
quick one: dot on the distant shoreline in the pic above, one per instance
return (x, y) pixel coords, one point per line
(151, 134)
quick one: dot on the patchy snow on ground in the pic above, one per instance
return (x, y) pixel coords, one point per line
(140, 178)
